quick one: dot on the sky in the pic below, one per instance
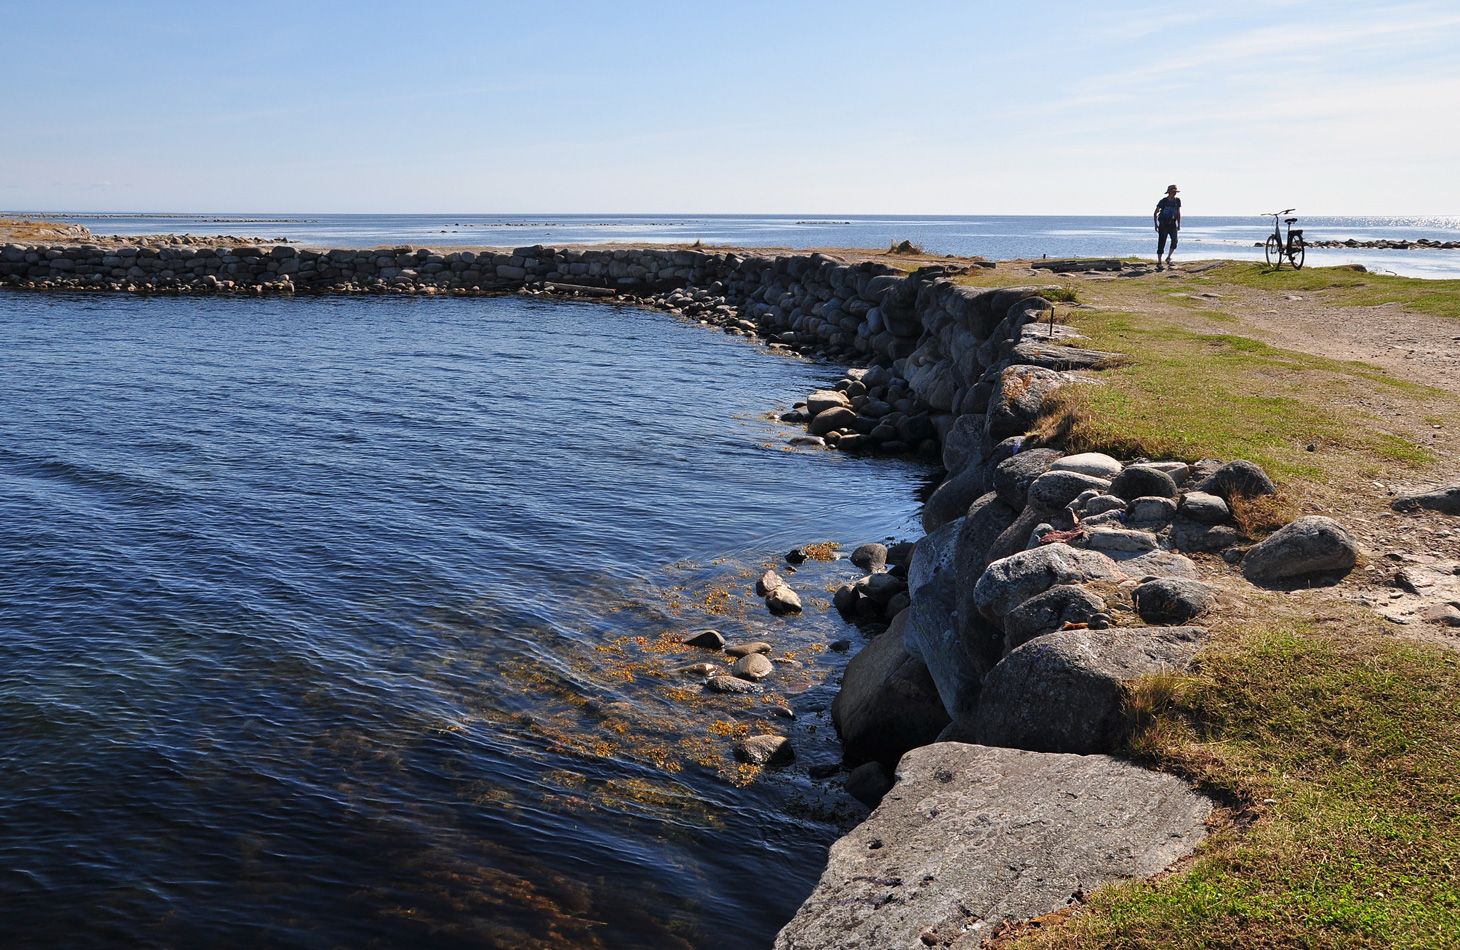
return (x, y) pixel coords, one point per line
(847, 107)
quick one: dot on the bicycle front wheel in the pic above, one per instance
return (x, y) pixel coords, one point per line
(1296, 252)
(1274, 251)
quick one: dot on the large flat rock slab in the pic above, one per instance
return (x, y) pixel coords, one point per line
(971, 835)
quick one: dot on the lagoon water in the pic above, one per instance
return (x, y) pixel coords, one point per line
(996, 237)
(332, 621)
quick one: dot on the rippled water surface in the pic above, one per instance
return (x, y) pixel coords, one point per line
(318, 624)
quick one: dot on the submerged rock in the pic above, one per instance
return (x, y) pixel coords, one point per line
(754, 666)
(745, 649)
(783, 600)
(870, 557)
(732, 684)
(707, 639)
(768, 582)
(765, 750)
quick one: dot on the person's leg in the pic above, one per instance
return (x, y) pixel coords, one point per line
(1174, 233)
(1160, 246)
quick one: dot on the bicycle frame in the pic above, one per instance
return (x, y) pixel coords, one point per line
(1285, 246)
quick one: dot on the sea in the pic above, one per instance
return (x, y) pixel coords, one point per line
(990, 236)
(342, 622)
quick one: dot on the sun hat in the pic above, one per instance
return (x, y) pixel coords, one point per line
(1172, 188)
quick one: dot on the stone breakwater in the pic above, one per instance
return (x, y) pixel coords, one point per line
(1387, 244)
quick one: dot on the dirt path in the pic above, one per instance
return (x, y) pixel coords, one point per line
(1413, 346)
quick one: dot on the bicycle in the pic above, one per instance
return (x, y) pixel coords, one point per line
(1276, 248)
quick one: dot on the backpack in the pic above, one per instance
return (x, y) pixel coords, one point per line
(1169, 209)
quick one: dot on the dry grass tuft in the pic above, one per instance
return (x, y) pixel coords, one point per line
(1259, 516)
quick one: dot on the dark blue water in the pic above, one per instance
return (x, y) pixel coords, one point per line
(996, 237)
(318, 620)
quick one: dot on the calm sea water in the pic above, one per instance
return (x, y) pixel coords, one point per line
(994, 237)
(325, 622)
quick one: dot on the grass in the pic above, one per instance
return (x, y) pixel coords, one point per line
(1348, 288)
(1189, 395)
(1337, 751)
(1332, 746)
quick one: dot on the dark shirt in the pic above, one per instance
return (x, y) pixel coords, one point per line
(1168, 211)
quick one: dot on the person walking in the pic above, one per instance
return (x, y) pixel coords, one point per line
(1167, 219)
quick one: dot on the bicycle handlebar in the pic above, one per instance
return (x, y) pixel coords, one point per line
(1273, 214)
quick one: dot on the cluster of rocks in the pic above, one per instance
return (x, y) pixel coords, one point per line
(1008, 636)
(780, 599)
(1389, 244)
(882, 592)
(980, 370)
(746, 666)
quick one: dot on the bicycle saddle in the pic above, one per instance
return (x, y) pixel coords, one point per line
(1289, 220)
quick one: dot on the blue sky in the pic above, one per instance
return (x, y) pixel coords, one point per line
(922, 108)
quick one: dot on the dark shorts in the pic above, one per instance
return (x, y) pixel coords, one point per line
(1167, 231)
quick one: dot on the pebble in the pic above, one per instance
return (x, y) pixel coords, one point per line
(754, 666)
(708, 639)
(783, 600)
(768, 582)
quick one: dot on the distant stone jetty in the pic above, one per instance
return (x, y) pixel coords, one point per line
(287, 269)
(1386, 244)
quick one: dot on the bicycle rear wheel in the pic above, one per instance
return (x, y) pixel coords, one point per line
(1296, 252)
(1274, 251)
